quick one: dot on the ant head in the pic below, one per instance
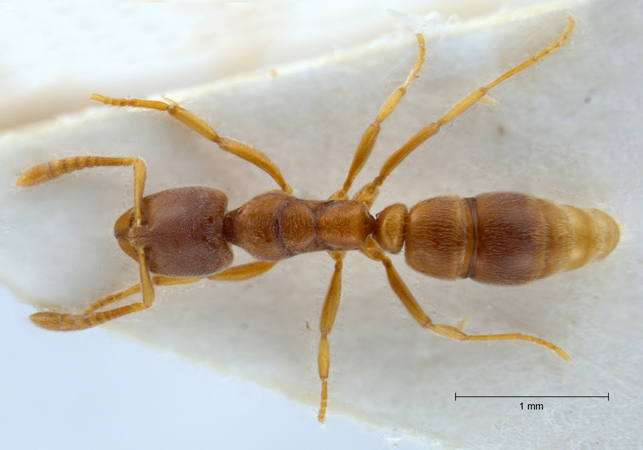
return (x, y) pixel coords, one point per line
(181, 232)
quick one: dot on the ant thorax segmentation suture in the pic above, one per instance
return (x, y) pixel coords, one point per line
(183, 235)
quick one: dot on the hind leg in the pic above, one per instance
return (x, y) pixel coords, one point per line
(374, 252)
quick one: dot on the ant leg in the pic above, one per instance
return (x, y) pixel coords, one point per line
(325, 326)
(375, 252)
(243, 271)
(90, 318)
(240, 149)
(369, 192)
(369, 137)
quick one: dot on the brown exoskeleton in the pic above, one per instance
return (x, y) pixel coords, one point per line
(183, 235)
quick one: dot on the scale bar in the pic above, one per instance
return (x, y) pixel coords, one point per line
(532, 396)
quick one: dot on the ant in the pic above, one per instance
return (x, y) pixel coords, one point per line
(183, 235)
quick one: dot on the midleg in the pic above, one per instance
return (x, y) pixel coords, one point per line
(369, 137)
(240, 149)
(369, 192)
(325, 326)
(243, 271)
(374, 252)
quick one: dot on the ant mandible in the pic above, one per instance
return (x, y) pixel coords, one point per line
(183, 235)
